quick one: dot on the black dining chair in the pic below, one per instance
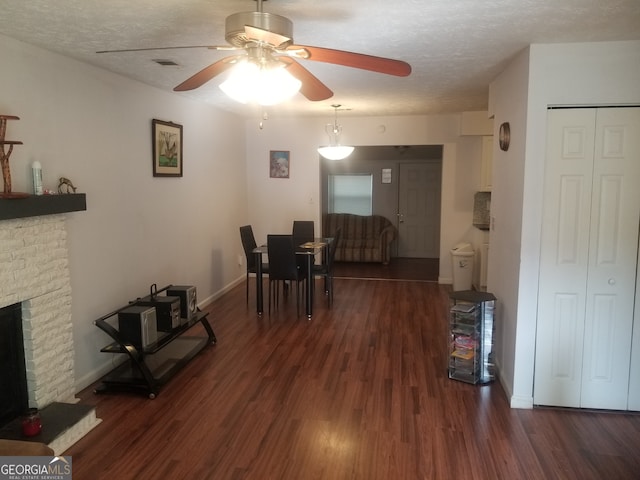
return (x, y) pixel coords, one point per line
(249, 244)
(325, 270)
(303, 232)
(283, 266)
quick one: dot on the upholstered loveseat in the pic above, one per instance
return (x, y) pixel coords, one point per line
(364, 238)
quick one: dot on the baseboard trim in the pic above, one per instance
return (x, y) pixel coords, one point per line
(515, 401)
(216, 295)
(521, 402)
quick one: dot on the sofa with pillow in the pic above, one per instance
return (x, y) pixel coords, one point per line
(364, 238)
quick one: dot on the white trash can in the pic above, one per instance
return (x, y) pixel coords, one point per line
(462, 257)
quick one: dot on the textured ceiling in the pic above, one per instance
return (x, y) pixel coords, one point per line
(455, 47)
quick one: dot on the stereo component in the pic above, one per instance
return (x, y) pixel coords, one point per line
(188, 300)
(138, 325)
(167, 311)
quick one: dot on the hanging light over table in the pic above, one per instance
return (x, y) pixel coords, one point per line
(335, 151)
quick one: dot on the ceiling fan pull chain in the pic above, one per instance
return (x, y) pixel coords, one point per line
(265, 117)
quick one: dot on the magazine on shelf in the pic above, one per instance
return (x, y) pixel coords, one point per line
(463, 307)
(463, 353)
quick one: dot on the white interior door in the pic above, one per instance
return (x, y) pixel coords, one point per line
(563, 260)
(588, 258)
(634, 374)
(615, 216)
(419, 209)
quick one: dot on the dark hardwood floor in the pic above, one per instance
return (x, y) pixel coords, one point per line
(420, 269)
(358, 392)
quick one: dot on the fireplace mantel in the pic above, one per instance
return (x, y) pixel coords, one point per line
(36, 205)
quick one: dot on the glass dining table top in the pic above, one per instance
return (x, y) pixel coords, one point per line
(307, 248)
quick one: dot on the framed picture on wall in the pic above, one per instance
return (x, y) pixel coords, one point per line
(279, 164)
(167, 149)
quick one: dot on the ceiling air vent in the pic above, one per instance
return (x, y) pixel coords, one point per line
(165, 63)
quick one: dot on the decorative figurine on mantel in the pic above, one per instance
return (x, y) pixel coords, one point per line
(65, 186)
(4, 158)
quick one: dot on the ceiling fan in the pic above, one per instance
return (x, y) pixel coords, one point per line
(267, 41)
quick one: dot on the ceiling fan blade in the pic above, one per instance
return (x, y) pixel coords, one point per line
(312, 88)
(261, 35)
(206, 74)
(210, 47)
(350, 59)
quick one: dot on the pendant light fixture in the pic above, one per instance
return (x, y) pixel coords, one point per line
(335, 151)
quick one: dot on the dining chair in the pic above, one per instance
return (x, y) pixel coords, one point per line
(249, 244)
(325, 270)
(283, 266)
(303, 231)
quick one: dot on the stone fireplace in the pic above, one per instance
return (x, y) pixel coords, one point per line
(34, 272)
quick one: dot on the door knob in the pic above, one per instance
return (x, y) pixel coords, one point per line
(612, 281)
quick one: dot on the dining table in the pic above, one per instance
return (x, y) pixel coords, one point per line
(309, 250)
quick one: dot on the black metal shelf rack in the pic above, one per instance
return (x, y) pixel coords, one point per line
(151, 367)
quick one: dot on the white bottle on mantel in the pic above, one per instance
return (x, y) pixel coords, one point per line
(36, 170)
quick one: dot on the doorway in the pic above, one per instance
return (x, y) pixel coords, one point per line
(419, 193)
(386, 165)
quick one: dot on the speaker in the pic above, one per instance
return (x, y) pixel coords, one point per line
(167, 311)
(138, 325)
(188, 300)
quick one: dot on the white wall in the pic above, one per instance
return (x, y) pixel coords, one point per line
(508, 103)
(606, 73)
(275, 202)
(94, 127)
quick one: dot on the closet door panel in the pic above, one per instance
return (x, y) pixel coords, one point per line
(634, 374)
(612, 259)
(564, 257)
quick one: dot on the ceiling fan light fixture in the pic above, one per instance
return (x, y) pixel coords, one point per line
(265, 85)
(335, 151)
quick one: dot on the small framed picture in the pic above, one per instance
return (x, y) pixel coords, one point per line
(167, 149)
(386, 175)
(279, 164)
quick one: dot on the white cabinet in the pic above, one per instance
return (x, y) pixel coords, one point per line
(484, 265)
(486, 169)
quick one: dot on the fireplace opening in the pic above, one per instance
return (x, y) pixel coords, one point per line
(14, 399)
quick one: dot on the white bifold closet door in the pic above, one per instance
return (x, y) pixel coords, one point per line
(585, 355)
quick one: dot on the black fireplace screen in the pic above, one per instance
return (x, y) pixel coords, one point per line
(13, 377)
